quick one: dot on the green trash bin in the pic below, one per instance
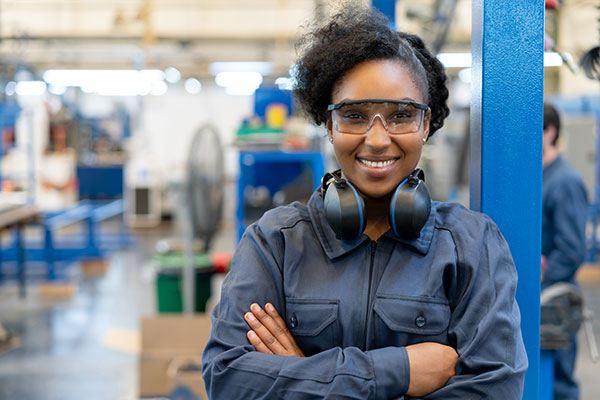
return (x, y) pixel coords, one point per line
(169, 292)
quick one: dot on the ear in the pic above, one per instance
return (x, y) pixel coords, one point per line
(329, 126)
(550, 134)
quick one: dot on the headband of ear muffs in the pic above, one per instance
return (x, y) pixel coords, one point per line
(410, 206)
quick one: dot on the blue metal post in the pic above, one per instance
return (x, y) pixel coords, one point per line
(506, 135)
(49, 252)
(388, 8)
(21, 273)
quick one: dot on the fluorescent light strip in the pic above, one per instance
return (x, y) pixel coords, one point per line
(110, 82)
(464, 60)
(262, 67)
(31, 88)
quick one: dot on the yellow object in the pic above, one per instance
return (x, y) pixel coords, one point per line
(276, 115)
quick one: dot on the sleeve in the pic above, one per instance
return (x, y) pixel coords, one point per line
(232, 369)
(569, 213)
(485, 325)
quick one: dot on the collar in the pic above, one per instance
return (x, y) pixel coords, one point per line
(335, 248)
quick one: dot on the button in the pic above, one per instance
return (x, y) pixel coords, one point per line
(293, 321)
(420, 321)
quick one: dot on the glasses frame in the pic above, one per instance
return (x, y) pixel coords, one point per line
(420, 106)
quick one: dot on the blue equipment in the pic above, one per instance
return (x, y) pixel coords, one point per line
(273, 171)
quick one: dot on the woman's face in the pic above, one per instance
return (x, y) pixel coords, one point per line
(356, 154)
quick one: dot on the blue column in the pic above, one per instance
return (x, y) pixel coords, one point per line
(506, 134)
(388, 8)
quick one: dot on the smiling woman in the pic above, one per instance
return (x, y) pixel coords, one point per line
(371, 290)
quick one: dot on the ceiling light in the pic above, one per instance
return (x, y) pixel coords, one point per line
(240, 90)
(464, 60)
(239, 83)
(455, 60)
(30, 88)
(465, 75)
(552, 59)
(262, 67)
(172, 75)
(124, 82)
(10, 88)
(192, 86)
(229, 79)
(58, 90)
(284, 83)
(159, 88)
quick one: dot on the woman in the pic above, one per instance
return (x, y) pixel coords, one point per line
(314, 309)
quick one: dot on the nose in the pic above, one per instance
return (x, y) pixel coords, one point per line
(377, 136)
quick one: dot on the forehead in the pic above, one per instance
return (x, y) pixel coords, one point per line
(377, 106)
(378, 79)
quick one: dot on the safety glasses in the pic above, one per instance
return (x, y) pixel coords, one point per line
(356, 117)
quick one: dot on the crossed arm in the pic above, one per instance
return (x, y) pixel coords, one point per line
(267, 363)
(431, 364)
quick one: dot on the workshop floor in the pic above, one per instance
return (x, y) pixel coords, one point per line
(85, 348)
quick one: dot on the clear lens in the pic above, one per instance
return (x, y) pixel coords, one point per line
(398, 118)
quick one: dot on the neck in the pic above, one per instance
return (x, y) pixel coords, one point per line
(550, 154)
(377, 217)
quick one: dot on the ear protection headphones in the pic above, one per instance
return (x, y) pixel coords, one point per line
(345, 212)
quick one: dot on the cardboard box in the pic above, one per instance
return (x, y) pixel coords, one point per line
(56, 291)
(185, 378)
(166, 342)
(94, 268)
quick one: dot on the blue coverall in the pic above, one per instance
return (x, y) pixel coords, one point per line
(353, 306)
(564, 215)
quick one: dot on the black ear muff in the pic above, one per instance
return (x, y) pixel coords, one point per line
(410, 206)
(344, 207)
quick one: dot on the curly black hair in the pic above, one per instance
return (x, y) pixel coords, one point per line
(353, 36)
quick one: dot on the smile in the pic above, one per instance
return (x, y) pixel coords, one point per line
(377, 164)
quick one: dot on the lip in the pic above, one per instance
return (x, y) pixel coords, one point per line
(376, 172)
(378, 158)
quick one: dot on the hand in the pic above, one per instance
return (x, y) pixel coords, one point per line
(270, 334)
(431, 365)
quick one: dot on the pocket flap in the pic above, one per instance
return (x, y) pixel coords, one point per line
(308, 317)
(420, 316)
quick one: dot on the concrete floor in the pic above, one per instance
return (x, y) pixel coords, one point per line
(65, 351)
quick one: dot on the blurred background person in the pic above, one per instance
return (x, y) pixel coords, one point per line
(564, 215)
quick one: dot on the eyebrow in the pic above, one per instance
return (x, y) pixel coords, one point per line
(336, 106)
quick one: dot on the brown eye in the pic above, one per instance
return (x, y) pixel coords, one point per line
(353, 116)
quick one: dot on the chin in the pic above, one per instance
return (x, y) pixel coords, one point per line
(377, 192)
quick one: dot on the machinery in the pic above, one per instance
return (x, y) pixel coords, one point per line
(199, 212)
(562, 314)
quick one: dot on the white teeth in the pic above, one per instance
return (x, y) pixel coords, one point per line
(376, 164)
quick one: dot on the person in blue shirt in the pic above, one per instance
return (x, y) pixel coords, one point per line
(308, 313)
(564, 215)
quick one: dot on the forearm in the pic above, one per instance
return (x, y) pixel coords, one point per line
(561, 268)
(350, 373)
(501, 381)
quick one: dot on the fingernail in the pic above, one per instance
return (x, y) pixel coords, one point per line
(270, 307)
(254, 307)
(251, 334)
(249, 316)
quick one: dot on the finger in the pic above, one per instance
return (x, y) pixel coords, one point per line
(264, 334)
(257, 343)
(279, 332)
(272, 311)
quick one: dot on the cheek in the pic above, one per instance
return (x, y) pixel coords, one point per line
(410, 146)
(345, 146)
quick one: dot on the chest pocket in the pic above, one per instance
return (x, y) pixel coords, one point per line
(314, 324)
(402, 321)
